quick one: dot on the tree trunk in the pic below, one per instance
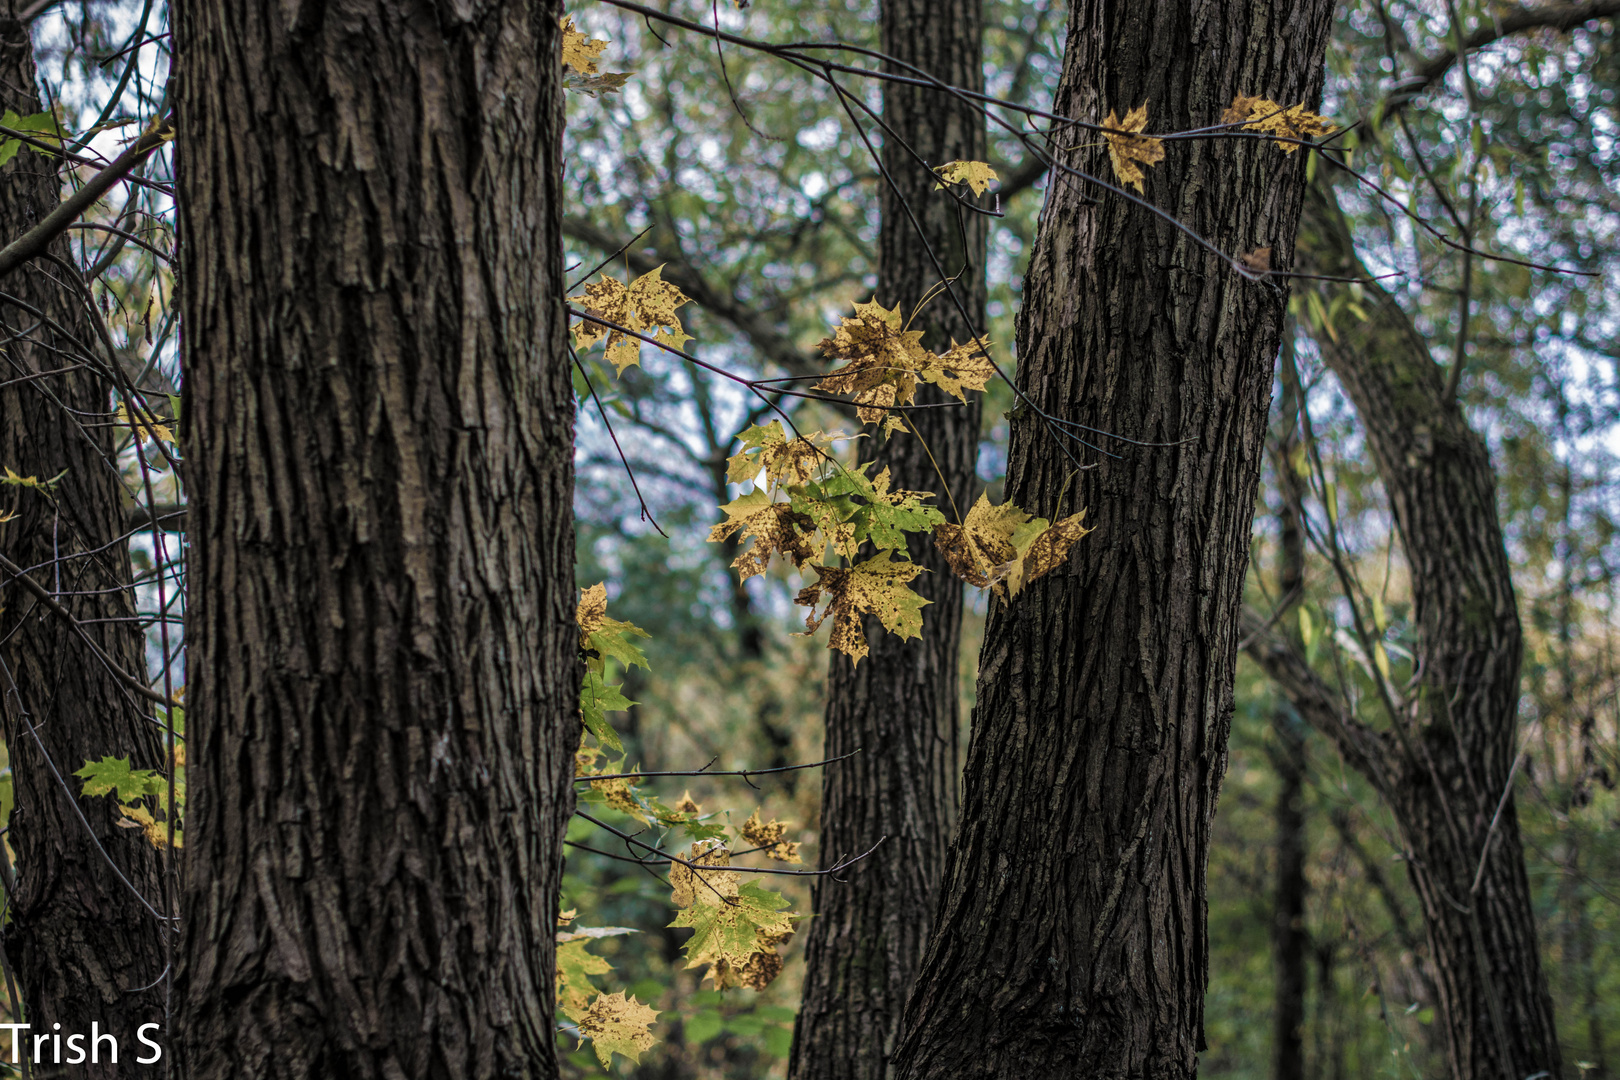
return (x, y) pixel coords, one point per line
(85, 948)
(899, 707)
(1290, 943)
(379, 420)
(1071, 937)
(1448, 777)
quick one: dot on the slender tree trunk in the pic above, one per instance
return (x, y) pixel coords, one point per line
(1290, 942)
(384, 653)
(899, 707)
(86, 950)
(1071, 939)
(1446, 772)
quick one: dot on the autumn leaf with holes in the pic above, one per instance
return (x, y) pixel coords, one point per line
(616, 1024)
(647, 305)
(731, 922)
(881, 360)
(961, 367)
(1129, 151)
(1003, 548)
(878, 587)
(1284, 121)
(771, 837)
(975, 174)
(774, 527)
(784, 461)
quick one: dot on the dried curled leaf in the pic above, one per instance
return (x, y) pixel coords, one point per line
(773, 527)
(877, 586)
(771, 836)
(618, 1025)
(647, 306)
(975, 174)
(1284, 121)
(1129, 152)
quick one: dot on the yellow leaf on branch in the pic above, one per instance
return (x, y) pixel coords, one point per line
(975, 174)
(616, 1024)
(881, 360)
(773, 526)
(771, 836)
(961, 367)
(878, 586)
(1129, 152)
(1004, 548)
(578, 51)
(647, 306)
(1284, 121)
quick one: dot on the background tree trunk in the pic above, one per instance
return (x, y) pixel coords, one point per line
(1448, 779)
(379, 418)
(1071, 935)
(84, 948)
(899, 707)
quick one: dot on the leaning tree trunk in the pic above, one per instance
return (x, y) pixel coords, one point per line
(1448, 780)
(379, 421)
(899, 707)
(86, 948)
(1071, 936)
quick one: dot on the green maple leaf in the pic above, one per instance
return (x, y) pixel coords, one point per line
(597, 698)
(112, 774)
(728, 927)
(575, 966)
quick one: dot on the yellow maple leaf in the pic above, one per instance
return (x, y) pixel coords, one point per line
(878, 587)
(1284, 121)
(647, 306)
(592, 611)
(975, 174)
(143, 430)
(980, 550)
(961, 367)
(773, 527)
(881, 360)
(1129, 152)
(156, 833)
(689, 886)
(618, 1025)
(1043, 552)
(771, 836)
(785, 461)
(578, 51)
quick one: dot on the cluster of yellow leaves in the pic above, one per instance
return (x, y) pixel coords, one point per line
(1004, 548)
(613, 1022)
(579, 53)
(1284, 121)
(647, 306)
(771, 836)
(884, 362)
(737, 927)
(975, 174)
(1128, 150)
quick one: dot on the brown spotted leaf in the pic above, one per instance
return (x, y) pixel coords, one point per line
(772, 526)
(771, 836)
(878, 586)
(618, 1025)
(1284, 121)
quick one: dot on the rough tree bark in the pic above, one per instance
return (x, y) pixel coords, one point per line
(379, 420)
(84, 947)
(899, 707)
(1070, 938)
(1447, 779)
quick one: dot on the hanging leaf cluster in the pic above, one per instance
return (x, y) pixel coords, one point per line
(1129, 151)
(737, 927)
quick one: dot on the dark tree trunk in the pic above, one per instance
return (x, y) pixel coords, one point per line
(86, 950)
(379, 420)
(1071, 938)
(899, 707)
(1447, 778)
(1290, 943)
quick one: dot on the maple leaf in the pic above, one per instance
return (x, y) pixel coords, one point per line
(575, 966)
(596, 700)
(156, 833)
(42, 126)
(771, 836)
(960, 367)
(647, 305)
(979, 549)
(141, 429)
(881, 360)
(876, 586)
(596, 86)
(1043, 551)
(690, 886)
(1129, 152)
(618, 1025)
(784, 460)
(975, 174)
(578, 51)
(729, 932)
(604, 636)
(1284, 121)
(773, 526)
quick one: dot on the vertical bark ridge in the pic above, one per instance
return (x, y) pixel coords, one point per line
(379, 418)
(1071, 934)
(899, 707)
(83, 946)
